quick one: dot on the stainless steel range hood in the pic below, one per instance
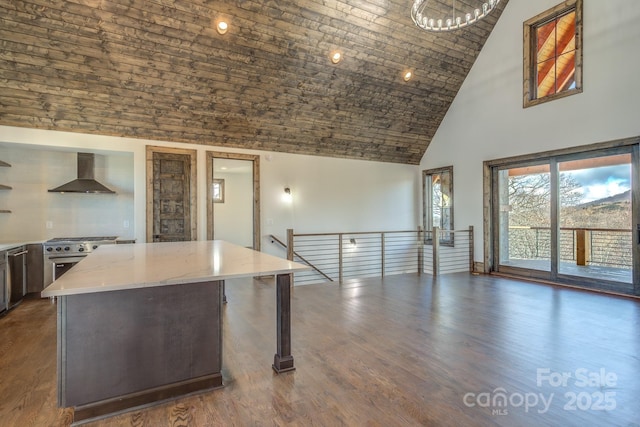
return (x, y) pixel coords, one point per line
(85, 183)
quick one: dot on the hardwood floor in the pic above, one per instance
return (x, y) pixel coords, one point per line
(401, 351)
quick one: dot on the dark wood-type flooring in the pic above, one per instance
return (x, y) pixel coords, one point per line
(400, 351)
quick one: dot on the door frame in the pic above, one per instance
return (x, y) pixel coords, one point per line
(193, 186)
(490, 200)
(211, 155)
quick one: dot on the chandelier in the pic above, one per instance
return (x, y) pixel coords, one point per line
(431, 18)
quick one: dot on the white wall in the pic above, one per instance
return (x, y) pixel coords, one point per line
(37, 214)
(487, 121)
(328, 194)
(333, 195)
(233, 218)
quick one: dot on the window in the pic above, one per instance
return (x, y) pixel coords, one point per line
(438, 201)
(553, 54)
(568, 216)
(217, 191)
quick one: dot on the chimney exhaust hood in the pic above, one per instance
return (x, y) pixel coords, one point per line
(85, 183)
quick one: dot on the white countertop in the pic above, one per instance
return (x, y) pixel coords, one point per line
(7, 246)
(140, 265)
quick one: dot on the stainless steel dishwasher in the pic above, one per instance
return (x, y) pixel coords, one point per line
(17, 263)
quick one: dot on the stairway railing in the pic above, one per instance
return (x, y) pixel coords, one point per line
(337, 257)
(300, 257)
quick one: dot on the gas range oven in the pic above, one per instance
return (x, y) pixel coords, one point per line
(62, 253)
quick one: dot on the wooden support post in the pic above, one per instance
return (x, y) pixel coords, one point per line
(471, 255)
(283, 360)
(340, 258)
(583, 246)
(382, 258)
(435, 241)
(420, 250)
(290, 244)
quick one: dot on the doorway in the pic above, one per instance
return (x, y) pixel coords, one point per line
(171, 194)
(233, 198)
(567, 217)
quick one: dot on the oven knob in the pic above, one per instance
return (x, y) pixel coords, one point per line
(81, 249)
(95, 246)
(49, 249)
(66, 248)
(58, 249)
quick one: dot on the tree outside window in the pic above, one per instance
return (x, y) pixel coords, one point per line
(438, 201)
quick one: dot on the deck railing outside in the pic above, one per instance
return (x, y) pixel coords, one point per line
(343, 256)
(584, 246)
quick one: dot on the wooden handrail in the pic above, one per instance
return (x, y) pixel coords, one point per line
(352, 233)
(615, 230)
(379, 232)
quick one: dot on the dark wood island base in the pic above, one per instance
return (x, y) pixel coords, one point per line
(107, 408)
(140, 324)
(122, 349)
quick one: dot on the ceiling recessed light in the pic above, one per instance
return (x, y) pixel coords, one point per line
(407, 75)
(336, 57)
(222, 27)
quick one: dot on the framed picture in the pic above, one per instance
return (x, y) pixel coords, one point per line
(217, 191)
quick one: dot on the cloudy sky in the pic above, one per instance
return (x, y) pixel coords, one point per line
(598, 183)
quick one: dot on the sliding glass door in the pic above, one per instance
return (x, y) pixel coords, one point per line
(569, 218)
(595, 212)
(524, 218)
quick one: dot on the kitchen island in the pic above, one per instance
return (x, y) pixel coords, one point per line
(142, 323)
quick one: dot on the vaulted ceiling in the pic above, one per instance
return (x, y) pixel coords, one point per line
(158, 69)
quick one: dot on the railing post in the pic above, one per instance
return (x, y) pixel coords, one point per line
(583, 246)
(382, 253)
(471, 262)
(580, 244)
(420, 250)
(435, 241)
(290, 250)
(340, 258)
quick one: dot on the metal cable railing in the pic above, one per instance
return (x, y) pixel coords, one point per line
(354, 255)
(298, 257)
(584, 246)
(454, 253)
(611, 249)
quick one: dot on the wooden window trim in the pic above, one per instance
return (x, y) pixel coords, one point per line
(427, 208)
(489, 198)
(211, 155)
(530, 53)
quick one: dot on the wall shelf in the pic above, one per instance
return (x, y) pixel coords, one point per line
(2, 186)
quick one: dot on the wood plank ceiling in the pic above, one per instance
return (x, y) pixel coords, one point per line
(157, 69)
(556, 55)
